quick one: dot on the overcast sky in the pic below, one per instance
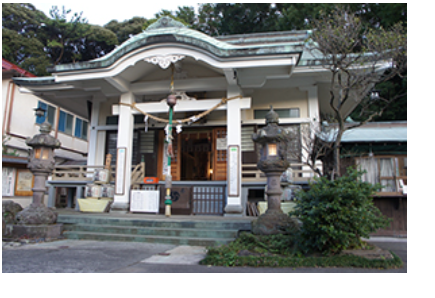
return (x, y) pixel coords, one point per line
(99, 14)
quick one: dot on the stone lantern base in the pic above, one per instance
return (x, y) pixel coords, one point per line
(271, 223)
(36, 214)
(53, 231)
(36, 221)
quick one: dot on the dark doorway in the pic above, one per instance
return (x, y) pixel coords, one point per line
(196, 156)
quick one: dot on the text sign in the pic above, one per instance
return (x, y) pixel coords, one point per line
(233, 170)
(120, 171)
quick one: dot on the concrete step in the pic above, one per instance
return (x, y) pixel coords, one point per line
(146, 238)
(152, 231)
(212, 224)
(188, 230)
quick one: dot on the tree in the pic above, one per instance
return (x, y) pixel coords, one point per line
(21, 43)
(71, 39)
(63, 37)
(357, 59)
(127, 28)
(299, 16)
(97, 42)
(187, 14)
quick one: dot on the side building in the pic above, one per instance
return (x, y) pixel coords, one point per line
(20, 122)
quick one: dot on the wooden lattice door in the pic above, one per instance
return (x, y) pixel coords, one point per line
(220, 154)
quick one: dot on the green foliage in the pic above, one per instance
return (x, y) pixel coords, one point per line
(335, 214)
(127, 28)
(5, 149)
(21, 42)
(280, 251)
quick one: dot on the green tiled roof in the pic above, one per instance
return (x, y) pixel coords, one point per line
(166, 30)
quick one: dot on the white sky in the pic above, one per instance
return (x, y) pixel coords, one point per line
(99, 14)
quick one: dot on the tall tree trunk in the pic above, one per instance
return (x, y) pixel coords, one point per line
(336, 157)
(336, 149)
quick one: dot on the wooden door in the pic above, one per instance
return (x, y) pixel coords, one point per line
(219, 154)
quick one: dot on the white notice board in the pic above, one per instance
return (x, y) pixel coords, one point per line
(145, 201)
(120, 171)
(233, 170)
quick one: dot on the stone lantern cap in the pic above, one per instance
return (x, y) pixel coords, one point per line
(44, 139)
(272, 132)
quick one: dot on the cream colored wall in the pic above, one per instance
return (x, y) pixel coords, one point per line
(106, 110)
(280, 99)
(324, 98)
(5, 84)
(22, 123)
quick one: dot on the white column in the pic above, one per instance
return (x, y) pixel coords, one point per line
(314, 115)
(234, 137)
(93, 141)
(125, 141)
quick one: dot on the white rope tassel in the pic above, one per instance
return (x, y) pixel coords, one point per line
(179, 127)
(193, 119)
(146, 122)
(167, 133)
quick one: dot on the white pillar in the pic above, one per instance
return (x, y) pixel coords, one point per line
(234, 138)
(93, 141)
(314, 115)
(125, 143)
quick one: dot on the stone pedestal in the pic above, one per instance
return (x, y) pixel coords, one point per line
(36, 214)
(272, 223)
(53, 231)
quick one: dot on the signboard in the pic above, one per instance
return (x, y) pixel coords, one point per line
(221, 144)
(233, 170)
(24, 183)
(145, 201)
(120, 171)
(8, 181)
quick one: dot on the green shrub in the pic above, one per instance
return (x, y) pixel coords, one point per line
(335, 214)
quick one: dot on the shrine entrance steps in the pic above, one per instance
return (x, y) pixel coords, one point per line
(177, 230)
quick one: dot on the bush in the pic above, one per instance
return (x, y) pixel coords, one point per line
(280, 251)
(335, 214)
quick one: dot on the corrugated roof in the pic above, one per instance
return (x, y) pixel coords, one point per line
(371, 132)
(376, 134)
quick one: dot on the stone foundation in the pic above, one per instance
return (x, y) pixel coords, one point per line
(53, 231)
(272, 223)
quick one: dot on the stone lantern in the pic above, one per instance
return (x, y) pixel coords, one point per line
(273, 161)
(35, 219)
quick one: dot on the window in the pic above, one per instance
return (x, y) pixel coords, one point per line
(50, 113)
(247, 142)
(282, 113)
(386, 170)
(65, 122)
(81, 129)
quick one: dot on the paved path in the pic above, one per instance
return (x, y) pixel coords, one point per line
(94, 256)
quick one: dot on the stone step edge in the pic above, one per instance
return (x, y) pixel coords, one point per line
(153, 228)
(216, 240)
(146, 223)
(242, 220)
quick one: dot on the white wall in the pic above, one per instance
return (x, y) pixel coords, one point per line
(280, 99)
(23, 125)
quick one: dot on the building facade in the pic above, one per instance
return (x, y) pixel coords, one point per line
(19, 123)
(225, 86)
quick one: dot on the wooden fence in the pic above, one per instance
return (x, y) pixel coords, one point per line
(86, 173)
(250, 173)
